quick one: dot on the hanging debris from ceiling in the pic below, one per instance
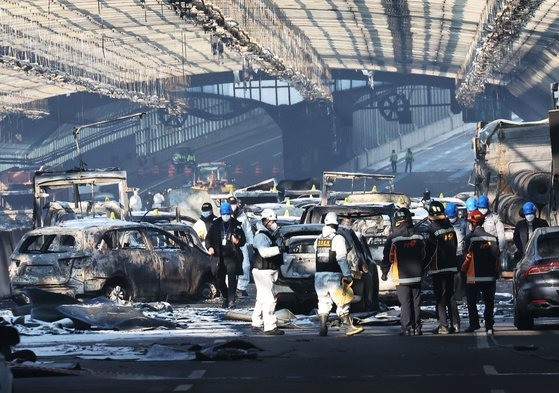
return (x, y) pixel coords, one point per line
(500, 25)
(260, 31)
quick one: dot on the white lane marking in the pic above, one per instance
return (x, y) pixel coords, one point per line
(182, 388)
(196, 374)
(248, 148)
(481, 340)
(490, 370)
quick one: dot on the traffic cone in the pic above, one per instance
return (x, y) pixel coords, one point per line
(113, 216)
(374, 189)
(286, 213)
(400, 202)
(274, 188)
(346, 200)
(441, 195)
(313, 188)
(288, 202)
(155, 212)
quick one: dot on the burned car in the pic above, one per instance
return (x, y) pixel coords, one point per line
(294, 288)
(118, 259)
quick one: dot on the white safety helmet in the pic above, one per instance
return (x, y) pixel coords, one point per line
(269, 215)
(331, 219)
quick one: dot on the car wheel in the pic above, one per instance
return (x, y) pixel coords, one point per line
(118, 291)
(523, 320)
(207, 290)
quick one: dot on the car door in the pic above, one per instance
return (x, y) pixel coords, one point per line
(176, 279)
(139, 262)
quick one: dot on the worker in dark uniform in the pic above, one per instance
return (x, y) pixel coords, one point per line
(524, 229)
(443, 265)
(404, 251)
(223, 242)
(481, 266)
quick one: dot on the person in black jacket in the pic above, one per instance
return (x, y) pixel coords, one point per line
(404, 251)
(441, 251)
(524, 229)
(223, 242)
(481, 266)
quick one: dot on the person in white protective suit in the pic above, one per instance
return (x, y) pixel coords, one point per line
(158, 200)
(135, 202)
(331, 268)
(238, 213)
(267, 261)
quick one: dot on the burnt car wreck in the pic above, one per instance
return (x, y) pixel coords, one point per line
(118, 259)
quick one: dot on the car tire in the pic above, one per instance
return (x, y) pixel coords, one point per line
(118, 290)
(207, 290)
(523, 320)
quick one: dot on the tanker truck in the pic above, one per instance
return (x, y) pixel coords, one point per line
(512, 166)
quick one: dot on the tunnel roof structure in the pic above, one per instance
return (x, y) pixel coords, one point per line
(53, 47)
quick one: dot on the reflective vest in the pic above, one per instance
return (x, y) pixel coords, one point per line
(326, 257)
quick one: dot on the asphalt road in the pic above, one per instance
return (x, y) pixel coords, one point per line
(377, 360)
(442, 167)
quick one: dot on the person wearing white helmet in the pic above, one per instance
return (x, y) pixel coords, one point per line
(267, 261)
(331, 268)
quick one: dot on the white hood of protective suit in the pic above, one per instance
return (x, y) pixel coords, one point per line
(327, 230)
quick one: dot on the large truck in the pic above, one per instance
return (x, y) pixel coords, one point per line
(513, 166)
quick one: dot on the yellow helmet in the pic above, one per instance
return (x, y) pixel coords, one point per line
(343, 294)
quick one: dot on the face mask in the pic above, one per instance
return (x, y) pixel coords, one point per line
(226, 217)
(234, 207)
(530, 217)
(273, 226)
(206, 214)
(483, 211)
(453, 220)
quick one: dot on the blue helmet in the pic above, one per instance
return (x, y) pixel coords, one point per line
(529, 208)
(483, 202)
(471, 204)
(225, 208)
(451, 210)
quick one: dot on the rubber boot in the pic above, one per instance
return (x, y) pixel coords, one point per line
(350, 328)
(323, 318)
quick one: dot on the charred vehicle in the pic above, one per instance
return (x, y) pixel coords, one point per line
(73, 194)
(295, 285)
(118, 259)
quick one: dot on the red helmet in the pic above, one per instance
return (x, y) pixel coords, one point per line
(476, 217)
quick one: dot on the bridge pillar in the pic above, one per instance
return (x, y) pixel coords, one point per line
(309, 143)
